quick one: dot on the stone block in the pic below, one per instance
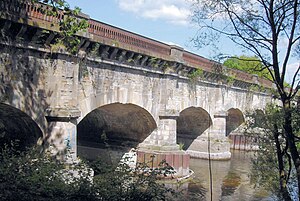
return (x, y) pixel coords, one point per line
(63, 112)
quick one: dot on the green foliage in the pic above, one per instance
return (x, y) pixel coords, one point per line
(130, 60)
(94, 51)
(69, 26)
(167, 68)
(230, 80)
(140, 184)
(57, 4)
(248, 64)
(68, 29)
(251, 65)
(153, 62)
(34, 175)
(254, 87)
(115, 43)
(181, 146)
(198, 73)
(267, 128)
(264, 172)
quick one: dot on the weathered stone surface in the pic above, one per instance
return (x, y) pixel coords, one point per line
(44, 84)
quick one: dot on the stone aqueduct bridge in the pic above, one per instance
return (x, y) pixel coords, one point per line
(121, 88)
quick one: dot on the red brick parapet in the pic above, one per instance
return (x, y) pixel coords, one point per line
(198, 61)
(132, 41)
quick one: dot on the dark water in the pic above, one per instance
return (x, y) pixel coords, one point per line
(231, 180)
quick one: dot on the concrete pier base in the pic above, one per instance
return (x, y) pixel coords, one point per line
(219, 148)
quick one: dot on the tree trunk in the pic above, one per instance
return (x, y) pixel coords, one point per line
(291, 139)
(282, 174)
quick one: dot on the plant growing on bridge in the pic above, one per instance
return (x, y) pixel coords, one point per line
(69, 26)
(230, 79)
(153, 62)
(94, 51)
(196, 74)
(260, 27)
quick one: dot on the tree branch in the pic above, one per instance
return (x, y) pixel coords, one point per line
(290, 43)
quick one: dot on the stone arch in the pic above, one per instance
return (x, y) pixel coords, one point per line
(91, 103)
(17, 125)
(191, 123)
(234, 119)
(119, 126)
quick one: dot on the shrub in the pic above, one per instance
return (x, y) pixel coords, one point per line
(34, 175)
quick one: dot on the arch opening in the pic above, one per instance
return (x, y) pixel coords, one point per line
(115, 128)
(16, 125)
(234, 119)
(191, 123)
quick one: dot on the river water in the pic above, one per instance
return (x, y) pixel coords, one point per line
(231, 180)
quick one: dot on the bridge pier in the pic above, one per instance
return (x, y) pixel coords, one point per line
(164, 137)
(161, 145)
(62, 133)
(216, 137)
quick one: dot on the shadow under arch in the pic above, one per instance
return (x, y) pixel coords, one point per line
(115, 126)
(191, 123)
(17, 125)
(234, 119)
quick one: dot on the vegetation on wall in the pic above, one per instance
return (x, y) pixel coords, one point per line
(196, 74)
(69, 26)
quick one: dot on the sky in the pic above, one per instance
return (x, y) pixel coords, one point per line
(167, 21)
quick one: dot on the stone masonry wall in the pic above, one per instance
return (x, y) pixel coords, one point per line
(105, 83)
(66, 88)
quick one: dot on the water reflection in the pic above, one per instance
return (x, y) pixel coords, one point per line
(230, 180)
(230, 183)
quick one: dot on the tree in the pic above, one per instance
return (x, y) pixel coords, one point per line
(251, 65)
(267, 129)
(248, 64)
(269, 29)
